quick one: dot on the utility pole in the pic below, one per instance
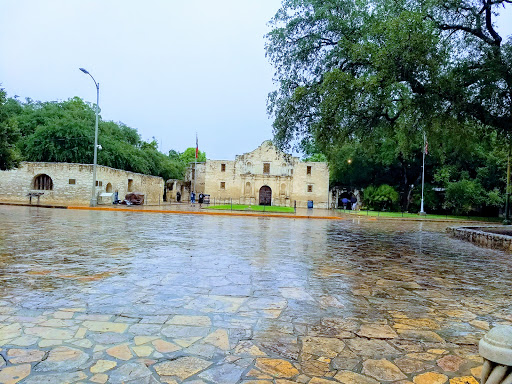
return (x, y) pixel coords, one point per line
(94, 199)
(422, 211)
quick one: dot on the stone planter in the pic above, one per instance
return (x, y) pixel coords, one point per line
(479, 236)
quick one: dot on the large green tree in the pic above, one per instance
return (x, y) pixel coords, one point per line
(379, 75)
(9, 134)
(64, 132)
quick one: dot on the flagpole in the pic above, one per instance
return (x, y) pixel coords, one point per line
(195, 166)
(422, 212)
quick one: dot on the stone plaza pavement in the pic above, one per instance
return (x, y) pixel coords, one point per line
(241, 300)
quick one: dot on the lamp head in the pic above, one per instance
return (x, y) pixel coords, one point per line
(83, 70)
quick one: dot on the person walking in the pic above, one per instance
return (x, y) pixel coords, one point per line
(193, 197)
(345, 202)
(201, 199)
(178, 197)
(353, 200)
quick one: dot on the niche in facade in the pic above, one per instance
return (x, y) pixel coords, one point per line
(43, 182)
(109, 188)
(130, 185)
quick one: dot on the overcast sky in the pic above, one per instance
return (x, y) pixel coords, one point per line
(168, 68)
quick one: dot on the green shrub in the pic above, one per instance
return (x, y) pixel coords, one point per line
(381, 198)
(464, 195)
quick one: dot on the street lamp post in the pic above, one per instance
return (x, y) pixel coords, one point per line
(94, 200)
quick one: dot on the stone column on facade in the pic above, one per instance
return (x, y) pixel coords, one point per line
(496, 349)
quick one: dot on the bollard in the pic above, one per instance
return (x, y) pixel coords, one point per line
(496, 349)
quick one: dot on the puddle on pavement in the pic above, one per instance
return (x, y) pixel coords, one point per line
(331, 297)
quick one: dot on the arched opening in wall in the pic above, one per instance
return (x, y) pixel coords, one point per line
(130, 185)
(283, 189)
(265, 195)
(248, 188)
(43, 182)
(109, 188)
(248, 167)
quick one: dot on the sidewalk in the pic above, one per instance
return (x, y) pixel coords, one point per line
(193, 209)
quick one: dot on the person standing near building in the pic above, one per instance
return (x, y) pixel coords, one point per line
(201, 199)
(178, 196)
(353, 200)
(193, 197)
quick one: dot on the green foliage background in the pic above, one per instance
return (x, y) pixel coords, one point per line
(64, 132)
(367, 80)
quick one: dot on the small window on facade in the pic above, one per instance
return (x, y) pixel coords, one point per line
(308, 170)
(72, 181)
(266, 168)
(99, 183)
(130, 185)
(310, 188)
(222, 185)
(291, 172)
(223, 167)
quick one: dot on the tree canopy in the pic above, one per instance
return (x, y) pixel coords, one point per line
(366, 80)
(64, 132)
(361, 69)
(9, 134)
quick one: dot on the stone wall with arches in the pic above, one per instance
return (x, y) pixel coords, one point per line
(71, 184)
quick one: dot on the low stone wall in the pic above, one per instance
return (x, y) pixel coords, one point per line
(72, 184)
(479, 236)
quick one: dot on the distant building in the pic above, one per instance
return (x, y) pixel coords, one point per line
(71, 184)
(265, 176)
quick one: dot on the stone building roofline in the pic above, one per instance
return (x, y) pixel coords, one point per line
(87, 165)
(269, 143)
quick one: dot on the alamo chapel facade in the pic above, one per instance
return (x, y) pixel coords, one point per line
(265, 176)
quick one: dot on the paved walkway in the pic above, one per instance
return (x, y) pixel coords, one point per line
(116, 297)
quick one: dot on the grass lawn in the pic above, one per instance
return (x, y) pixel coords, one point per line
(416, 215)
(257, 208)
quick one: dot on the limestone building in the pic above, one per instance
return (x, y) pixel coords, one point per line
(70, 184)
(265, 176)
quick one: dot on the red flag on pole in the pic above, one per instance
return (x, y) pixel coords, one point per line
(197, 147)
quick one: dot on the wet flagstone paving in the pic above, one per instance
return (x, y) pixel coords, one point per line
(115, 297)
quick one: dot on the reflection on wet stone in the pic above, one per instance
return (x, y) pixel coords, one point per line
(241, 300)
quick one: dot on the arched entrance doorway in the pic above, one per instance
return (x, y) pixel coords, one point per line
(265, 195)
